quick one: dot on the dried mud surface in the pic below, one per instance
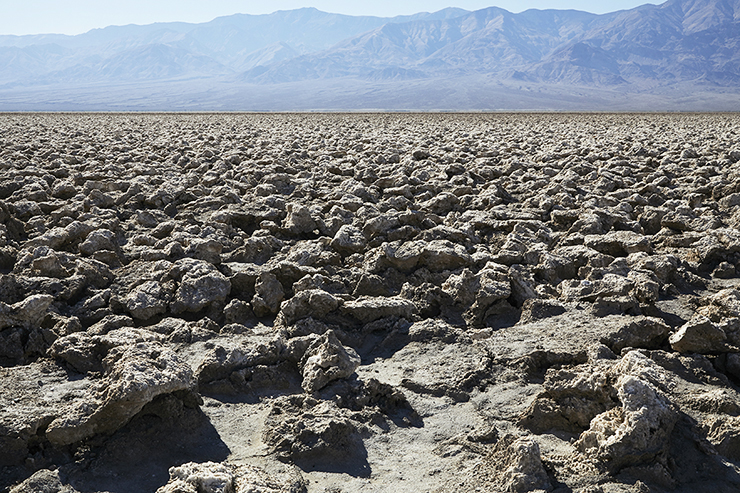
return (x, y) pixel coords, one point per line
(325, 303)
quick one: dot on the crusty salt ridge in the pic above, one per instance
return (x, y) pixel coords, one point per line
(386, 302)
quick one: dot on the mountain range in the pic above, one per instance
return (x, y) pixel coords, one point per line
(690, 46)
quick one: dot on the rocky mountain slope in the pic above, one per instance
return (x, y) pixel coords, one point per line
(221, 45)
(678, 41)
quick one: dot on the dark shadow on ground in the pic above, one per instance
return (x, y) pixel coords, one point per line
(354, 462)
(691, 467)
(672, 309)
(137, 457)
(256, 384)
(380, 401)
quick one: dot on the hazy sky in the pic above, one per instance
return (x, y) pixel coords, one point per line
(78, 16)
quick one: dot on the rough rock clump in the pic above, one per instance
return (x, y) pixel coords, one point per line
(326, 359)
(200, 285)
(302, 428)
(43, 481)
(134, 375)
(226, 478)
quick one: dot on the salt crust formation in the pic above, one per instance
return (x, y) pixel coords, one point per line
(288, 303)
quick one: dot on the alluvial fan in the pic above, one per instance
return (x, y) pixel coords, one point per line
(380, 302)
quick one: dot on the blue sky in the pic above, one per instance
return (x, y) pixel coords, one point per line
(78, 16)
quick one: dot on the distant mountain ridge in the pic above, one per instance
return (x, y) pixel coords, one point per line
(679, 41)
(225, 40)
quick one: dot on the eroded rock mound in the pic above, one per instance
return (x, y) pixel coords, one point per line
(43, 481)
(303, 428)
(326, 359)
(133, 376)
(211, 477)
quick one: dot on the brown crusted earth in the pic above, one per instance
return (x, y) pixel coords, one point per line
(233, 303)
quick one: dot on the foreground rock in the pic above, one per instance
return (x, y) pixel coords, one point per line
(134, 376)
(301, 428)
(226, 478)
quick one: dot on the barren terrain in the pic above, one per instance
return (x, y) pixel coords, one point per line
(369, 302)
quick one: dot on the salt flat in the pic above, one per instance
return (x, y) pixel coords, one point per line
(369, 302)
